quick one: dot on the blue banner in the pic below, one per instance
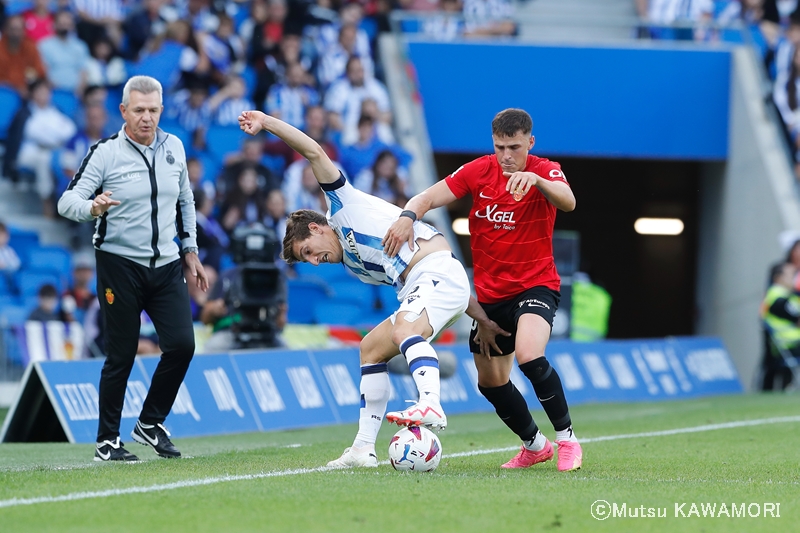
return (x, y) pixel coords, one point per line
(211, 400)
(282, 389)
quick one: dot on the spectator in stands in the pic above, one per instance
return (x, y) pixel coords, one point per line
(141, 25)
(447, 24)
(316, 127)
(19, 56)
(200, 15)
(99, 18)
(196, 172)
(780, 313)
(288, 101)
(364, 152)
(224, 49)
(419, 5)
(191, 111)
(226, 104)
(301, 190)
(80, 296)
(489, 18)
(65, 56)
(244, 203)
(46, 130)
(275, 215)
(328, 36)
(289, 53)
(47, 307)
(384, 179)
(105, 68)
(250, 157)
(199, 297)
(334, 60)
(343, 98)
(174, 57)
(39, 21)
(78, 146)
(267, 32)
(9, 260)
(383, 131)
(663, 14)
(212, 240)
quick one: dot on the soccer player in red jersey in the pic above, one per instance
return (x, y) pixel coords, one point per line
(515, 197)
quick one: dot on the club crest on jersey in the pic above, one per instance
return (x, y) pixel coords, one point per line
(170, 159)
(109, 296)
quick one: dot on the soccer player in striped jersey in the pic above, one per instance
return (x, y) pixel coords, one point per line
(432, 287)
(515, 196)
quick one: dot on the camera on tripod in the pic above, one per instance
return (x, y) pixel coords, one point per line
(256, 289)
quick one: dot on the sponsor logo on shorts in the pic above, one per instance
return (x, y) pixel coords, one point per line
(533, 302)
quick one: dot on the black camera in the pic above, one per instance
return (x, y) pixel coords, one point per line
(256, 287)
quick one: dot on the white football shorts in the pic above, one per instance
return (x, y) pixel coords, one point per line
(439, 285)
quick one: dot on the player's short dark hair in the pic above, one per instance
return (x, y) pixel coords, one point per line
(3, 227)
(509, 122)
(297, 230)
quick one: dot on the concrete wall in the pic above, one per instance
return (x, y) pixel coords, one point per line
(745, 204)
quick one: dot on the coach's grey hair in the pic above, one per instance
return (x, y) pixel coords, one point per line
(144, 85)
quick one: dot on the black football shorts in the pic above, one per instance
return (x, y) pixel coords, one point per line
(537, 300)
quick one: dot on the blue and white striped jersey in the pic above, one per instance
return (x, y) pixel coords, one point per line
(361, 221)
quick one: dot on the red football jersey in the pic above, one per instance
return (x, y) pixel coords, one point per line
(512, 242)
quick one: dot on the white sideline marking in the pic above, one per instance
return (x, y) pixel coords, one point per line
(246, 477)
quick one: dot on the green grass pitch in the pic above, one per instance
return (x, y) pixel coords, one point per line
(273, 481)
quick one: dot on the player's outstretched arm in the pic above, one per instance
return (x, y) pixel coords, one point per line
(252, 122)
(403, 228)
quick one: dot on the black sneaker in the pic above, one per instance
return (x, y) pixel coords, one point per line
(112, 451)
(157, 437)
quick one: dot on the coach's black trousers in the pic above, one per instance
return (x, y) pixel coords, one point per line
(124, 289)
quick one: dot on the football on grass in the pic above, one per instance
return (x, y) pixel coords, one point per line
(415, 449)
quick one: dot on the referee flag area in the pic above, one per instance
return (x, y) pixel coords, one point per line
(685, 454)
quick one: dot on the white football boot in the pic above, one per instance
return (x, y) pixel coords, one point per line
(354, 457)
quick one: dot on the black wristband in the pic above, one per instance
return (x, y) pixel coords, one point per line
(410, 214)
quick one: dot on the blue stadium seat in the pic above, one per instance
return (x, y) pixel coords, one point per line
(171, 126)
(49, 258)
(9, 103)
(13, 315)
(22, 241)
(66, 102)
(223, 140)
(354, 292)
(16, 7)
(29, 281)
(387, 297)
(338, 313)
(6, 286)
(326, 272)
(302, 297)
(8, 300)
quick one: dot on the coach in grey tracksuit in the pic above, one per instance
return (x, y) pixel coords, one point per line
(142, 200)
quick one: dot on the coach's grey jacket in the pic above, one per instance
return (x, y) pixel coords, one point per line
(154, 191)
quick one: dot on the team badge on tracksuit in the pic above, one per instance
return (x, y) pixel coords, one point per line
(109, 296)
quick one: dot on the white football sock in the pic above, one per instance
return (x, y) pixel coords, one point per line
(566, 434)
(424, 365)
(536, 444)
(375, 389)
